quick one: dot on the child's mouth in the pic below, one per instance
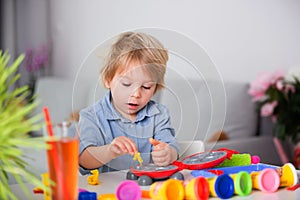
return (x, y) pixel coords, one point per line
(132, 105)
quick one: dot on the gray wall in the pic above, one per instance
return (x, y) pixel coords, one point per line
(24, 24)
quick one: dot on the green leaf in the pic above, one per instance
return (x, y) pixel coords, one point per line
(16, 122)
(279, 130)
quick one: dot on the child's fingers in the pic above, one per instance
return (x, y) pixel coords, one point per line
(157, 145)
(154, 142)
(115, 149)
(164, 156)
(118, 147)
(160, 158)
(130, 146)
(125, 144)
(158, 154)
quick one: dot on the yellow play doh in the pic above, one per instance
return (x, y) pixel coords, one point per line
(137, 157)
(45, 179)
(93, 179)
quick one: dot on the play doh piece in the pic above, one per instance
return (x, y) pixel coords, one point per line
(288, 175)
(82, 190)
(45, 180)
(128, 190)
(146, 194)
(137, 157)
(87, 196)
(38, 190)
(293, 188)
(255, 159)
(266, 180)
(221, 186)
(170, 189)
(196, 188)
(242, 183)
(93, 179)
(240, 160)
(107, 197)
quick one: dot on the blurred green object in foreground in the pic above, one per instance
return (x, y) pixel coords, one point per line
(15, 124)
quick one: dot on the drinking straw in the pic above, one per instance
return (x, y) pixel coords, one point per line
(54, 156)
(48, 121)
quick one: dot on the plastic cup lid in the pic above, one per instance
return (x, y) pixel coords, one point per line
(290, 172)
(128, 190)
(243, 183)
(224, 186)
(269, 180)
(202, 188)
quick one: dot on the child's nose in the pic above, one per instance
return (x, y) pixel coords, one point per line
(136, 92)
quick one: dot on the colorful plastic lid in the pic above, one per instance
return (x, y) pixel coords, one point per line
(128, 190)
(243, 183)
(224, 186)
(289, 173)
(269, 180)
(202, 188)
(85, 195)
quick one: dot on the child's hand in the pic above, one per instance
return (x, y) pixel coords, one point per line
(122, 145)
(162, 154)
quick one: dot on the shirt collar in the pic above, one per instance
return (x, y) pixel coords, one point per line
(111, 113)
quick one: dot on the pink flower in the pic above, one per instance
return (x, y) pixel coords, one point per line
(276, 75)
(38, 59)
(289, 88)
(279, 85)
(28, 59)
(278, 98)
(268, 108)
(260, 85)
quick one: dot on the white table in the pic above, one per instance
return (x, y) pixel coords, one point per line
(110, 181)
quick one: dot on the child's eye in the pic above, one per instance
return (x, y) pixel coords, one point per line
(126, 84)
(146, 87)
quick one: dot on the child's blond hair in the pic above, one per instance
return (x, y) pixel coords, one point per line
(139, 47)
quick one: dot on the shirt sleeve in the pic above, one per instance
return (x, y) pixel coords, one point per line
(90, 133)
(163, 130)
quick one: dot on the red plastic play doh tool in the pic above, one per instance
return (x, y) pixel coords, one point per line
(196, 161)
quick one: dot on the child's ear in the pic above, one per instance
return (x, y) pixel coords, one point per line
(107, 84)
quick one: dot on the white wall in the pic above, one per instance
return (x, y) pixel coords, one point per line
(242, 37)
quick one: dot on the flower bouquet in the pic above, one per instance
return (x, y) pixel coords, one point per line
(35, 63)
(277, 95)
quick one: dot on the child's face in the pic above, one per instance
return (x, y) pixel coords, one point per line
(131, 90)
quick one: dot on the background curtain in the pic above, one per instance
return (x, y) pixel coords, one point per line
(25, 25)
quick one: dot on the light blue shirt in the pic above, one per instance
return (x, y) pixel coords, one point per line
(100, 123)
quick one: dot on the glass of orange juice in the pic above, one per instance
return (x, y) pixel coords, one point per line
(62, 155)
